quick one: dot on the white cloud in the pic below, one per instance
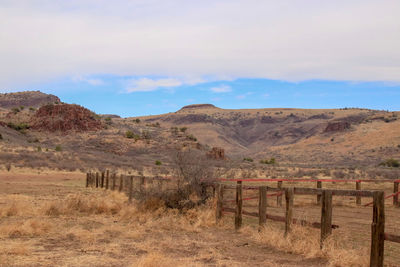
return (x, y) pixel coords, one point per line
(147, 85)
(91, 81)
(221, 89)
(289, 40)
(243, 96)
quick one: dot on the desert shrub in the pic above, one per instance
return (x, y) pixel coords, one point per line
(8, 167)
(21, 107)
(137, 120)
(183, 129)
(39, 149)
(270, 161)
(15, 110)
(158, 162)
(1, 137)
(390, 163)
(18, 127)
(32, 109)
(248, 159)
(339, 174)
(129, 134)
(108, 120)
(194, 172)
(58, 148)
(146, 135)
(191, 137)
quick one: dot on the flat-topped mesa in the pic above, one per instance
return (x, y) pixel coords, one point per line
(34, 99)
(198, 106)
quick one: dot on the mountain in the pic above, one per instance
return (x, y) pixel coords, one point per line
(27, 99)
(325, 136)
(59, 135)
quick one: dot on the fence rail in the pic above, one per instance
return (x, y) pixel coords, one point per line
(324, 199)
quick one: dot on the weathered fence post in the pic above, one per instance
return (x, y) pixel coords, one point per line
(279, 196)
(395, 191)
(97, 179)
(114, 177)
(92, 179)
(319, 185)
(87, 179)
(358, 187)
(326, 215)
(107, 178)
(130, 188)
(262, 205)
(102, 180)
(378, 230)
(289, 194)
(220, 203)
(239, 205)
(142, 184)
(121, 183)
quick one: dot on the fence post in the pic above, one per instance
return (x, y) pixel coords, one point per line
(319, 185)
(121, 183)
(289, 193)
(107, 178)
(92, 179)
(102, 180)
(220, 199)
(97, 179)
(130, 188)
(326, 215)
(142, 183)
(87, 179)
(239, 204)
(114, 177)
(279, 196)
(395, 191)
(378, 230)
(358, 187)
(262, 205)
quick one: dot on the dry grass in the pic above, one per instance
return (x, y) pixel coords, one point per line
(305, 241)
(85, 227)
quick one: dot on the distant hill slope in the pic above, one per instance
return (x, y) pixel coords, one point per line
(33, 99)
(292, 134)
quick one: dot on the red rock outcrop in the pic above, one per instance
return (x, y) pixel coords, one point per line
(64, 118)
(337, 126)
(216, 153)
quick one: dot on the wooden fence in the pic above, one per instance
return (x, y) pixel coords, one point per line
(323, 197)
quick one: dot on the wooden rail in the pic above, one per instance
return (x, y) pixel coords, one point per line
(378, 235)
(324, 197)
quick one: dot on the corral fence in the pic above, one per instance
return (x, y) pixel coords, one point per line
(324, 198)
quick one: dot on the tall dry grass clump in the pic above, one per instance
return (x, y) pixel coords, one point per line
(107, 203)
(28, 228)
(306, 241)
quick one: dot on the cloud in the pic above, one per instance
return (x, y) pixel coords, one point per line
(243, 96)
(42, 40)
(148, 85)
(221, 89)
(91, 81)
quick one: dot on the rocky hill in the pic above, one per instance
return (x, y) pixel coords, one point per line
(293, 137)
(64, 118)
(28, 99)
(349, 136)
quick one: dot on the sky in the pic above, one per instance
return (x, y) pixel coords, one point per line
(142, 57)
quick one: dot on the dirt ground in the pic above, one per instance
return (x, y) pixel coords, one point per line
(39, 227)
